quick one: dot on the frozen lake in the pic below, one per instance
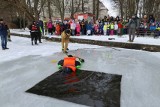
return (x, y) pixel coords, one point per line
(139, 69)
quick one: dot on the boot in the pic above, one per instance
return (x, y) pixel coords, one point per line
(65, 52)
(36, 43)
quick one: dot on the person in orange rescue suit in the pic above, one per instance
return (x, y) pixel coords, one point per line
(70, 64)
(65, 39)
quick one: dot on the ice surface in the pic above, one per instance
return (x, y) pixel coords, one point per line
(22, 47)
(23, 66)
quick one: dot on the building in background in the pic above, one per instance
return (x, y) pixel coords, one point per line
(103, 11)
(88, 8)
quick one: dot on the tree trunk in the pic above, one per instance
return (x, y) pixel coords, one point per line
(20, 22)
(83, 6)
(49, 9)
(137, 6)
(24, 18)
(121, 10)
(94, 7)
(97, 9)
(72, 9)
(63, 11)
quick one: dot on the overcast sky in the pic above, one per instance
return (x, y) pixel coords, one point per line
(110, 5)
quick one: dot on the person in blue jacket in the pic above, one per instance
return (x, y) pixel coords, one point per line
(40, 30)
(101, 28)
(152, 27)
(3, 34)
(89, 28)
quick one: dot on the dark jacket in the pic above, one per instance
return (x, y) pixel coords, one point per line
(40, 24)
(151, 19)
(133, 23)
(3, 29)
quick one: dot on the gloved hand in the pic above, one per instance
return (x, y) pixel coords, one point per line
(81, 60)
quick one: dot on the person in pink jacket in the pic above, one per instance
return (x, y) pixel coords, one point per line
(50, 27)
(96, 29)
(78, 29)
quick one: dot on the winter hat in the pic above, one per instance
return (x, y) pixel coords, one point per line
(67, 70)
(68, 31)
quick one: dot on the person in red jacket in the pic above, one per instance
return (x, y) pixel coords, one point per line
(58, 29)
(120, 27)
(34, 32)
(70, 64)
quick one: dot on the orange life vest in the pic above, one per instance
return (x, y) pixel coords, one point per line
(70, 63)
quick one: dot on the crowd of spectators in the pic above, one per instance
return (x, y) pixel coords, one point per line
(107, 26)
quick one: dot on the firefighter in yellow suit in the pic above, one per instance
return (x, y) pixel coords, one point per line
(65, 39)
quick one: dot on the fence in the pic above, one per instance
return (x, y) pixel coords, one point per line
(148, 32)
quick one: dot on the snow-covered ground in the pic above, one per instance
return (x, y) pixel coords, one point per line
(124, 38)
(20, 47)
(20, 31)
(23, 66)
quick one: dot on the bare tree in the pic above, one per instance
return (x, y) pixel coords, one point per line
(94, 7)
(97, 9)
(82, 6)
(49, 8)
(130, 7)
(60, 5)
(74, 7)
(32, 9)
(137, 6)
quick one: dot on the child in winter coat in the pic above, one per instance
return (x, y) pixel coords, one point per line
(50, 27)
(100, 28)
(78, 29)
(141, 30)
(105, 29)
(89, 28)
(120, 27)
(73, 27)
(152, 27)
(115, 28)
(108, 28)
(58, 29)
(96, 29)
(83, 27)
(112, 29)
